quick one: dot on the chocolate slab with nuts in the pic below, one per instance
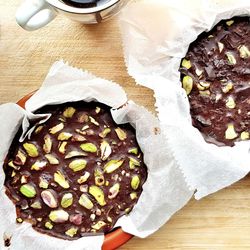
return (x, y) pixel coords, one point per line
(216, 76)
(77, 173)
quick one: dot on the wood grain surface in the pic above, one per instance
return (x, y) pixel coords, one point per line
(220, 221)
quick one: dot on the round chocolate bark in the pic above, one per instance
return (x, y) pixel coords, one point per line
(77, 173)
(216, 76)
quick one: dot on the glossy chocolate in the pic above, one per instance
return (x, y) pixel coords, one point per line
(219, 64)
(83, 139)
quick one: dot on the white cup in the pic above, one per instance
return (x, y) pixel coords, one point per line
(34, 14)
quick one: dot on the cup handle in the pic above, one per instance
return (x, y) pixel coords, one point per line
(34, 14)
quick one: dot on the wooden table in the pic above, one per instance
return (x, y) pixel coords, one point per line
(220, 221)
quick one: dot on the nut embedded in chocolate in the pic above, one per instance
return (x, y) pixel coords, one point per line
(77, 174)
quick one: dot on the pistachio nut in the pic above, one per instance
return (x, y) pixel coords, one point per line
(64, 136)
(230, 103)
(99, 180)
(31, 149)
(43, 183)
(231, 59)
(48, 225)
(73, 154)
(114, 190)
(187, 84)
(86, 202)
(20, 158)
(133, 195)
(221, 46)
(88, 147)
(24, 179)
(230, 133)
(244, 51)
(85, 127)
(198, 72)
(61, 180)
(62, 147)
(58, 216)
(47, 144)
(121, 134)
(38, 129)
(133, 163)
(135, 181)
(83, 118)
(49, 197)
(69, 112)
(203, 85)
(78, 138)
(79, 131)
(227, 88)
(83, 178)
(186, 63)
(36, 205)
(204, 92)
(105, 150)
(11, 164)
(19, 220)
(97, 110)
(78, 165)
(92, 120)
(98, 194)
(105, 132)
(230, 22)
(67, 200)
(51, 159)
(39, 165)
(99, 225)
(112, 165)
(71, 232)
(244, 135)
(133, 150)
(56, 128)
(28, 190)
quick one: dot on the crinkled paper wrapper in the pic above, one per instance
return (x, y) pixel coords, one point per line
(164, 192)
(156, 36)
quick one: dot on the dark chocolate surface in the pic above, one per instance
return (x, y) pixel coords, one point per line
(219, 64)
(88, 124)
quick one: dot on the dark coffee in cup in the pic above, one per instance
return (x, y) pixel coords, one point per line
(82, 3)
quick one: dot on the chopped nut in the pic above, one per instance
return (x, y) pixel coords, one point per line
(38, 129)
(187, 84)
(39, 219)
(28, 190)
(52, 159)
(31, 149)
(97, 110)
(204, 92)
(73, 154)
(11, 164)
(133, 151)
(47, 144)
(85, 127)
(231, 59)
(227, 88)
(133, 163)
(39, 165)
(24, 179)
(135, 182)
(36, 205)
(109, 219)
(20, 158)
(71, 232)
(86, 202)
(61, 180)
(88, 147)
(98, 195)
(78, 138)
(92, 217)
(69, 112)
(203, 85)
(186, 63)
(80, 132)
(244, 52)
(83, 118)
(105, 132)
(133, 196)
(19, 220)
(244, 135)
(84, 188)
(56, 128)
(13, 173)
(112, 165)
(99, 180)
(64, 136)
(58, 216)
(83, 178)
(43, 183)
(127, 210)
(230, 22)
(92, 120)
(48, 225)
(121, 134)
(77, 165)
(49, 198)
(198, 72)
(230, 133)
(105, 150)
(230, 103)
(99, 225)
(114, 190)
(221, 46)
(62, 147)
(67, 200)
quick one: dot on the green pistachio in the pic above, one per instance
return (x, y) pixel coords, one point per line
(31, 149)
(187, 84)
(64, 136)
(61, 180)
(67, 200)
(47, 144)
(85, 202)
(98, 195)
(135, 182)
(121, 134)
(230, 133)
(62, 147)
(105, 132)
(114, 190)
(92, 120)
(71, 232)
(133, 150)
(105, 150)
(99, 225)
(186, 63)
(231, 59)
(43, 183)
(39, 165)
(69, 112)
(52, 159)
(133, 163)
(56, 128)
(73, 154)
(112, 165)
(58, 216)
(36, 205)
(48, 225)
(244, 135)
(78, 165)
(88, 147)
(28, 190)
(83, 178)
(244, 52)
(133, 196)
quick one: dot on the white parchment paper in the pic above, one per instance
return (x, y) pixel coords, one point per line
(156, 36)
(165, 190)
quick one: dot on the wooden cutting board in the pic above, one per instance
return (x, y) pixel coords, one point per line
(220, 221)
